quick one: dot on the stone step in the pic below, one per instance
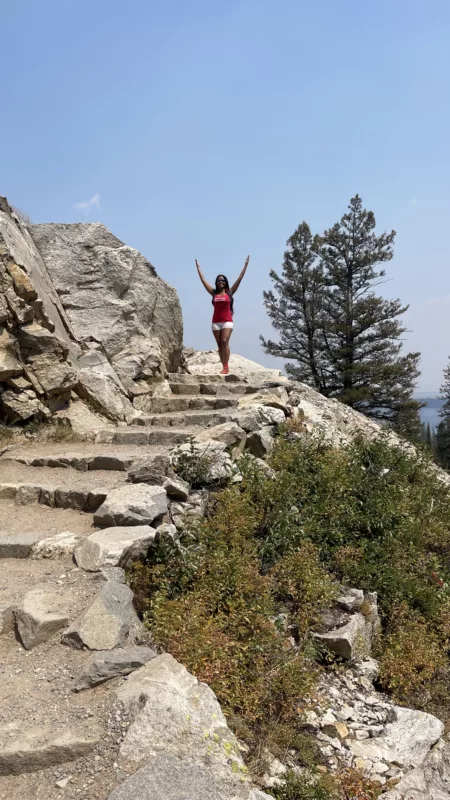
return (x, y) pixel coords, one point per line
(24, 485)
(218, 389)
(167, 437)
(181, 419)
(181, 377)
(112, 462)
(81, 498)
(173, 403)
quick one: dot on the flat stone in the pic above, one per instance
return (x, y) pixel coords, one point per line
(104, 666)
(107, 623)
(111, 461)
(136, 504)
(8, 491)
(18, 545)
(351, 640)
(114, 547)
(62, 544)
(71, 498)
(131, 437)
(43, 611)
(26, 494)
(27, 748)
(228, 432)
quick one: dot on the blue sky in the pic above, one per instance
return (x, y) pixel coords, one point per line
(211, 129)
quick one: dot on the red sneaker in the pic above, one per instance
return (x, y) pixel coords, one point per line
(225, 370)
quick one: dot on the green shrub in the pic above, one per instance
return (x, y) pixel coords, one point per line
(305, 787)
(263, 565)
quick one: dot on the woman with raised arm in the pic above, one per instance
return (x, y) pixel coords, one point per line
(223, 301)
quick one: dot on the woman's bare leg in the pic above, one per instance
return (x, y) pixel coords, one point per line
(226, 333)
(218, 338)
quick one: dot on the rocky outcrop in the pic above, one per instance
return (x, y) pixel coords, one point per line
(82, 316)
(179, 738)
(113, 296)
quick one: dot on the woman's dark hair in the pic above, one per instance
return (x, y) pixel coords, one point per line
(227, 289)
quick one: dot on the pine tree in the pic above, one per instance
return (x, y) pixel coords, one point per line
(443, 429)
(296, 308)
(356, 346)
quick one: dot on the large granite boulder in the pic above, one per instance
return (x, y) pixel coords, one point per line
(82, 315)
(112, 294)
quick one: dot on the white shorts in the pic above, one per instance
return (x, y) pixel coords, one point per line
(219, 326)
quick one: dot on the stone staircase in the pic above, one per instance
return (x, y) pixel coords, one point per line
(56, 742)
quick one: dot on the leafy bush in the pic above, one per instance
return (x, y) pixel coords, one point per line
(412, 655)
(196, 466)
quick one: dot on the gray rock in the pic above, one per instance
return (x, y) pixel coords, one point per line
(431, 781)
(368, 668)
(18, 545)
(228, 432)
(166, 777)
(276, 397)
(29, 748)
(71, 498)
(8, 491)
(62, 544)
(407, 741)
(413, 734)
(261, 443)
(102, 667)
(351, 599)
(9, 363)
(6, 618)
(350, 641)
(176, 488)
(175, 714)
(20, 407)
(138, 504)
(271, 416)
(247, 418)
(124, 305)
(43, 611)
(114, 547)
(35, 340)
(99, 384)
(108, 622)
(153, 470)
(26, 494)
(116, 574)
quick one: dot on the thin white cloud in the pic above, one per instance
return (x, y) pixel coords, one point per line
(413, 202)
(86, 205)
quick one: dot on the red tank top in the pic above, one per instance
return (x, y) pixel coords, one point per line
(222, 310)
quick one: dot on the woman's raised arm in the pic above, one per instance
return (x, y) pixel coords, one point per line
(236, 284)
(207, 285)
